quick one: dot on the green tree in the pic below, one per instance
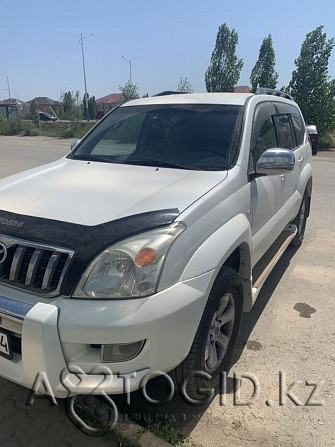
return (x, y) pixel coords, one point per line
(92, 107)
(72, 108)
(78, 108)
(84, 106)
(224, 70)
(129, 91)
(263, 74)
(184, 86)
(310, 84)
(34, 112)
(68, 100)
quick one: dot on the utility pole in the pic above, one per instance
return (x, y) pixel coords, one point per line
(8, 89)
(130, 66)
(81, 41)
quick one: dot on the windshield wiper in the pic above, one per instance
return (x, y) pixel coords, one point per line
(140, 162)
(162, 164)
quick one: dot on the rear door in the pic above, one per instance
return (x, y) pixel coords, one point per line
(291, 135)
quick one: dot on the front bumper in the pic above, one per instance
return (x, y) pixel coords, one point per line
(57, 337)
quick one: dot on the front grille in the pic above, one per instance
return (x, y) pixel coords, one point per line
(38, 268)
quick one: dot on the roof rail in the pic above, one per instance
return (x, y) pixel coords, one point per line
(270, 91)
(169, 92)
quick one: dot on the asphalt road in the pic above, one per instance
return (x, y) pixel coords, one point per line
(40, 424)
(290, 333)
(20, 153)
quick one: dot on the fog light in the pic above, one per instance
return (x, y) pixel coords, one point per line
(121, 352)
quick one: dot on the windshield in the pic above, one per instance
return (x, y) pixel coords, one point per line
(188, 136)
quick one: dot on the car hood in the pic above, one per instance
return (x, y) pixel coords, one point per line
(91, 193)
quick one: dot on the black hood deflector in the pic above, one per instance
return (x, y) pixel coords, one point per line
(86, 241)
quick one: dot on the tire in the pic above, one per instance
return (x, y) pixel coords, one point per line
(300, 222)
(214, 343)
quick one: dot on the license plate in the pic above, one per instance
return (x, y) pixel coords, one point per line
(5, 345)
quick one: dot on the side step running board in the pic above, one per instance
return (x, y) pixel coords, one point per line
(265, 265)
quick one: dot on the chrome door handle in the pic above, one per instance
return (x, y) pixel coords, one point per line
(300, 160)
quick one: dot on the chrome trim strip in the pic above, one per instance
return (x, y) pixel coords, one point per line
(16, 264)
(50, 270)
(33, 267)
(9, 241)
(11, 324)
(13, 308)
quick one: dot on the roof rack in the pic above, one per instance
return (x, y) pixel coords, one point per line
(270, 91)
(169, 92)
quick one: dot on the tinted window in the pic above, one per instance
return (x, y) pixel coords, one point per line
(266, 139)
(122, 137)
(299, 127)
(285, 136)
(296, 121)
(264, 132)
(189, 136)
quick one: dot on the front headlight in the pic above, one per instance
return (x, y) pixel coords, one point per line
(129, 268)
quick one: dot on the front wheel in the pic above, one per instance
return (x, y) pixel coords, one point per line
(213, 346)
(300, 222)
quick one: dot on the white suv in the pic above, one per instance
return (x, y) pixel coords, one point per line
(139, 251)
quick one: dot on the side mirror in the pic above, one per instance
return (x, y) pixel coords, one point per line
(275, 162)
(74, 144)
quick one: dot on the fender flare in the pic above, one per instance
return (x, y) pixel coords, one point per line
(214, 252)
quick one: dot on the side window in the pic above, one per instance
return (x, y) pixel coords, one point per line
(299, 126)
(285, 135)
(264, 133)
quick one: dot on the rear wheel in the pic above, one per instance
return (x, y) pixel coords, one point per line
(300, 222)
(213, 346)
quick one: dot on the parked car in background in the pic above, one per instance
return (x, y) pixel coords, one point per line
(313, 137)
(46, 116)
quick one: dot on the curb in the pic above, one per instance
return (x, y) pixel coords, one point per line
(138, 435)
(129, 430)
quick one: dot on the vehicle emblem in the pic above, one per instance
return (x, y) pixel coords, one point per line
(3, 252)
(10, 222)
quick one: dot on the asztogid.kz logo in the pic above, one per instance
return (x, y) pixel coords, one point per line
(3, 252)
(96, 411)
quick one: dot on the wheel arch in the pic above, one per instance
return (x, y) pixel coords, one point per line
(230, 246)
(240, 260)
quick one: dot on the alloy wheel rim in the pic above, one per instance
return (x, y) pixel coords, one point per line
(220, 332)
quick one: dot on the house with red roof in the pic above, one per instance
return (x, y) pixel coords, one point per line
(48, 105)
(13, 107)
(107, 103)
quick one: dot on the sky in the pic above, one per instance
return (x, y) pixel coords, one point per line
(164, 40)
